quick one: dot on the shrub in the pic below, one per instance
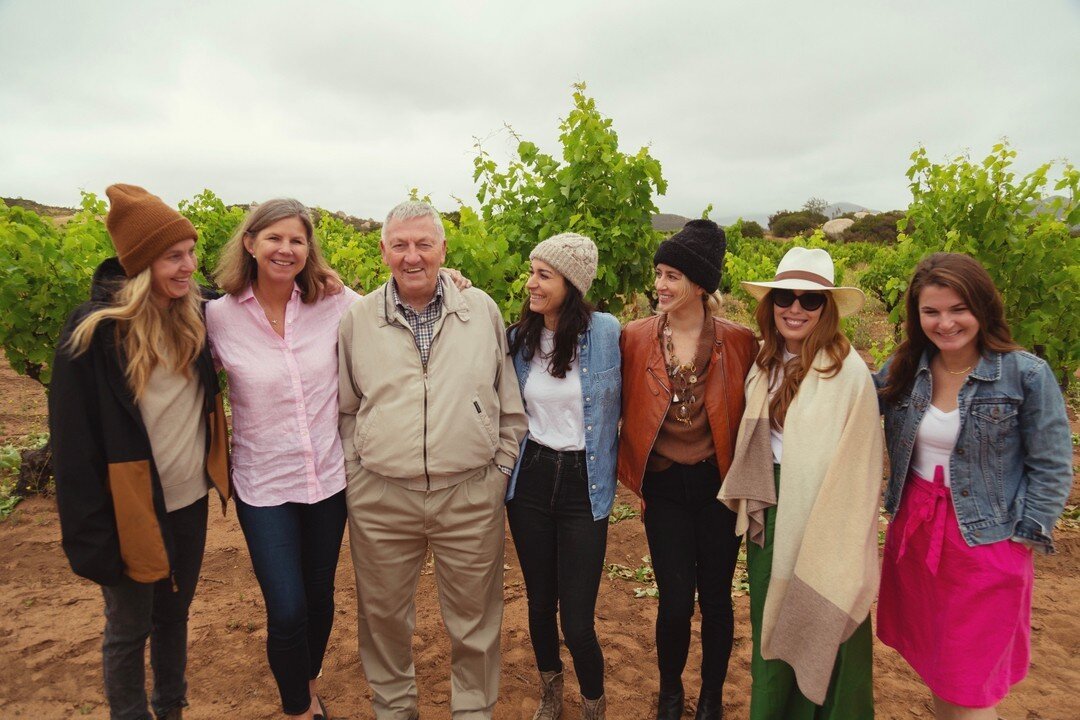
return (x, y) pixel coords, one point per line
(880, 228)
(1003, 220)
(595, 189)
(752, 229)
(787, 223)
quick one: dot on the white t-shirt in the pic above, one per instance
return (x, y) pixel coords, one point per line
(556, 415)
(934, 442)
(777, 436)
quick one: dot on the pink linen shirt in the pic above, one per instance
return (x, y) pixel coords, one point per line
(284, 396)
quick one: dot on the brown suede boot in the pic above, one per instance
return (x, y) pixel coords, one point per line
(593, 709)
(551, 692)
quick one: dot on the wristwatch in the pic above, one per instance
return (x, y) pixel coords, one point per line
(505, 470)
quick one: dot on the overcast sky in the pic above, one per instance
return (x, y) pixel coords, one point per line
(752, 106)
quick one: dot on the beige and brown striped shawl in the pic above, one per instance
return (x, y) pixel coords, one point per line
(825, 561)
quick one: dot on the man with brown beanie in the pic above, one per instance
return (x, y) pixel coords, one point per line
(138, 437)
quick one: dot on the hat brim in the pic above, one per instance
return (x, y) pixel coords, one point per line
(849, 300)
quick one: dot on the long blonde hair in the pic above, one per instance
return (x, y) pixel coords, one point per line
(825, 336)
(148, 335)
(237, 269)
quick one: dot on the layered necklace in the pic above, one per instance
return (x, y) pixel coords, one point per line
(683, 377)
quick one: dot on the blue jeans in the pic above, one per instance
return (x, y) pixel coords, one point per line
(294, 550)
(561, 551)
(135, 611)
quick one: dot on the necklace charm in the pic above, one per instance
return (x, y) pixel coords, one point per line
(682, 377)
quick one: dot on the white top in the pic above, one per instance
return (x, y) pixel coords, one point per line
(556, 415)
(172, 410)
(934, 442)
(776, 437)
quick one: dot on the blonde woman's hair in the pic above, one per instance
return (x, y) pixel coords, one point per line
(147, 334)
(237, 269)
(712, 303)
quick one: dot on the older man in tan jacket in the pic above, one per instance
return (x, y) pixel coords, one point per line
(431, 420)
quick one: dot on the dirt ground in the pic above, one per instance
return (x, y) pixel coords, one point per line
(51, 623)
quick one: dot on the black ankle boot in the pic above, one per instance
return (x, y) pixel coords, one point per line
(669, 705)
(710, 705)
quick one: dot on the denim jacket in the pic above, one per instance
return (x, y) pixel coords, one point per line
(1011, 468)
(601, 397)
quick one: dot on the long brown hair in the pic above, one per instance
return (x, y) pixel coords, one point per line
(825, 336)
(574, 317)
(149, 335)
(969, 279)
(237, 269)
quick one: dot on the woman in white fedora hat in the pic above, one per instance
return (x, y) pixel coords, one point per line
(805, 483)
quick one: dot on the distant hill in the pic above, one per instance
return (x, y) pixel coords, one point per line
(667, 222)
(46, 210)
(839, 208)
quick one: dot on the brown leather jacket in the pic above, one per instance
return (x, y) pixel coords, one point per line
(646, 393)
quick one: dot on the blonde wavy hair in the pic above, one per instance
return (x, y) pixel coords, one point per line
(237, 269)
(147, 334)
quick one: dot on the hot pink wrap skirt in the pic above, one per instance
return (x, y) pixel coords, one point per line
(959, 615)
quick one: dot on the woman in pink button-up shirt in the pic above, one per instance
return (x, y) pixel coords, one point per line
(275, 334)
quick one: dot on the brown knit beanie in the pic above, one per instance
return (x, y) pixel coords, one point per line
(572, 255)
(142, 226)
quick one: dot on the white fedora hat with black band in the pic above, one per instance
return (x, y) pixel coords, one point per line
(809, 269)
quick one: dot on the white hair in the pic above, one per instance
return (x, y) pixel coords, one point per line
(415, 209)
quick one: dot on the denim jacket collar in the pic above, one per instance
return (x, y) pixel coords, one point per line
(988, 369)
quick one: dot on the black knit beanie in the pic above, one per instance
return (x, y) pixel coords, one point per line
(697, 251)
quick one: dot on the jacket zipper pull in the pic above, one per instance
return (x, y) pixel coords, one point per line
(477, 406)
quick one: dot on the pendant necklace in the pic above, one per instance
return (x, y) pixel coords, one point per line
(965, 371)
(682, 377)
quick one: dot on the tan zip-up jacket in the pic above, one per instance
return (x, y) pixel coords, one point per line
(433, 426)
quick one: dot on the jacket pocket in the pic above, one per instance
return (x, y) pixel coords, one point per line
(141, 544)
(608, 385)
(364, 431)
(994, 423)
(476, 409)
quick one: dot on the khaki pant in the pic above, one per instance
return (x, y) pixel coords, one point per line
(390, 530)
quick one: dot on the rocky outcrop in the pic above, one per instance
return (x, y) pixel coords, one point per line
(834, 229)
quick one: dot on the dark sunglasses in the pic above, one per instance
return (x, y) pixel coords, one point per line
(809, 301)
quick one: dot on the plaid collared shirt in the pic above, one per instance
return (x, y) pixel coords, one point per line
(423, 322)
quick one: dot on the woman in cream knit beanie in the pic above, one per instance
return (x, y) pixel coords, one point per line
(566, 356)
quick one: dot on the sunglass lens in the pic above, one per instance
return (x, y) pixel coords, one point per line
(783, 298)
(812, 300)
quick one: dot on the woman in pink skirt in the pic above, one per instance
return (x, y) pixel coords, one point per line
(981, 466)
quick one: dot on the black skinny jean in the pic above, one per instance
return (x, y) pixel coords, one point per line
(159, 610)
(561, 551)
(693, 546)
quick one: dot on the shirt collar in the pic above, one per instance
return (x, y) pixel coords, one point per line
(435, 299)
(248, 293)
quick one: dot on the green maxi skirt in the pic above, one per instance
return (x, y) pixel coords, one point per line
(774, 694)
